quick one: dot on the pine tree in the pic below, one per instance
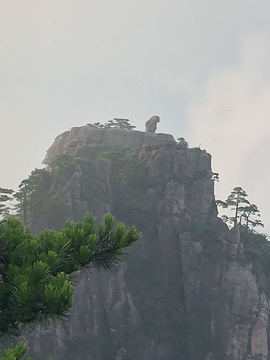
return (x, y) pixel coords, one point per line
(5, 198)
(248, 216)
(245, 213)
(120, 124)
(117, 123)
(34, 280)
(29, 193)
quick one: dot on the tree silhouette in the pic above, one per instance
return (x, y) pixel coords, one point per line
(117, 123)
(245, 213)
(5, 197)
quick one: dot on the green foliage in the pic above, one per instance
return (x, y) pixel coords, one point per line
(31, 191)
(256, 249)
(92, 186)
(58, 294)
(215, 176)
(33, 270)
(207, 234)
(5, 198)
(245, 213)
(15, 353)
(63, 161)
(118, 123)
(183, 142)
(195, 150)
(38, 196)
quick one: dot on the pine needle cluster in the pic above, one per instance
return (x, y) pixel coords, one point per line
(34, 280)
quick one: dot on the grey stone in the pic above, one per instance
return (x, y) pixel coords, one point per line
(121, 354)
(102, 170)
(259, 336)
(234, 235)
(209, 356)
(198, 247)
(76, 141)
(151, 124)
(118, 139)
(233, 250)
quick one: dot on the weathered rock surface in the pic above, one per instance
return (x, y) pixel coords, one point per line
(151, 124)
(184, 292)
(69, 142)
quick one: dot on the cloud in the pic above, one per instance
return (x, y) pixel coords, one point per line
(232, 122)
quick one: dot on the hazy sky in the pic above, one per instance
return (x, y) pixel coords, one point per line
(202, 66)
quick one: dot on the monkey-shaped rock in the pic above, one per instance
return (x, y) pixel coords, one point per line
(151, 124)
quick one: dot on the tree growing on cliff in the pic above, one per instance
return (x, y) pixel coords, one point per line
(117, 123)
(5, 198)
(245, 213)
(34, 280)
(31, 190)
(120, 124)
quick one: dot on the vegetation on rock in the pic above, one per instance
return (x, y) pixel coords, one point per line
(117, 123)
(182, 141)
(5, 198)
(32, 191)
(245, 213)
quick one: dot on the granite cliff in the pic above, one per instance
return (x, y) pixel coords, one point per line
(191, 289)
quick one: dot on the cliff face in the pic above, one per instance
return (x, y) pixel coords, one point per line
(187, 290)
(79, 138)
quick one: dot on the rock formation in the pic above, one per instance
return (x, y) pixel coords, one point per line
(189, 290)
(82, 139)
(151, 124)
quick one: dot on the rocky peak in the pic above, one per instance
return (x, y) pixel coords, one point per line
(70, 141)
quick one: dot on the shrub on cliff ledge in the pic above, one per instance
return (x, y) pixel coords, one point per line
(117, 123)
